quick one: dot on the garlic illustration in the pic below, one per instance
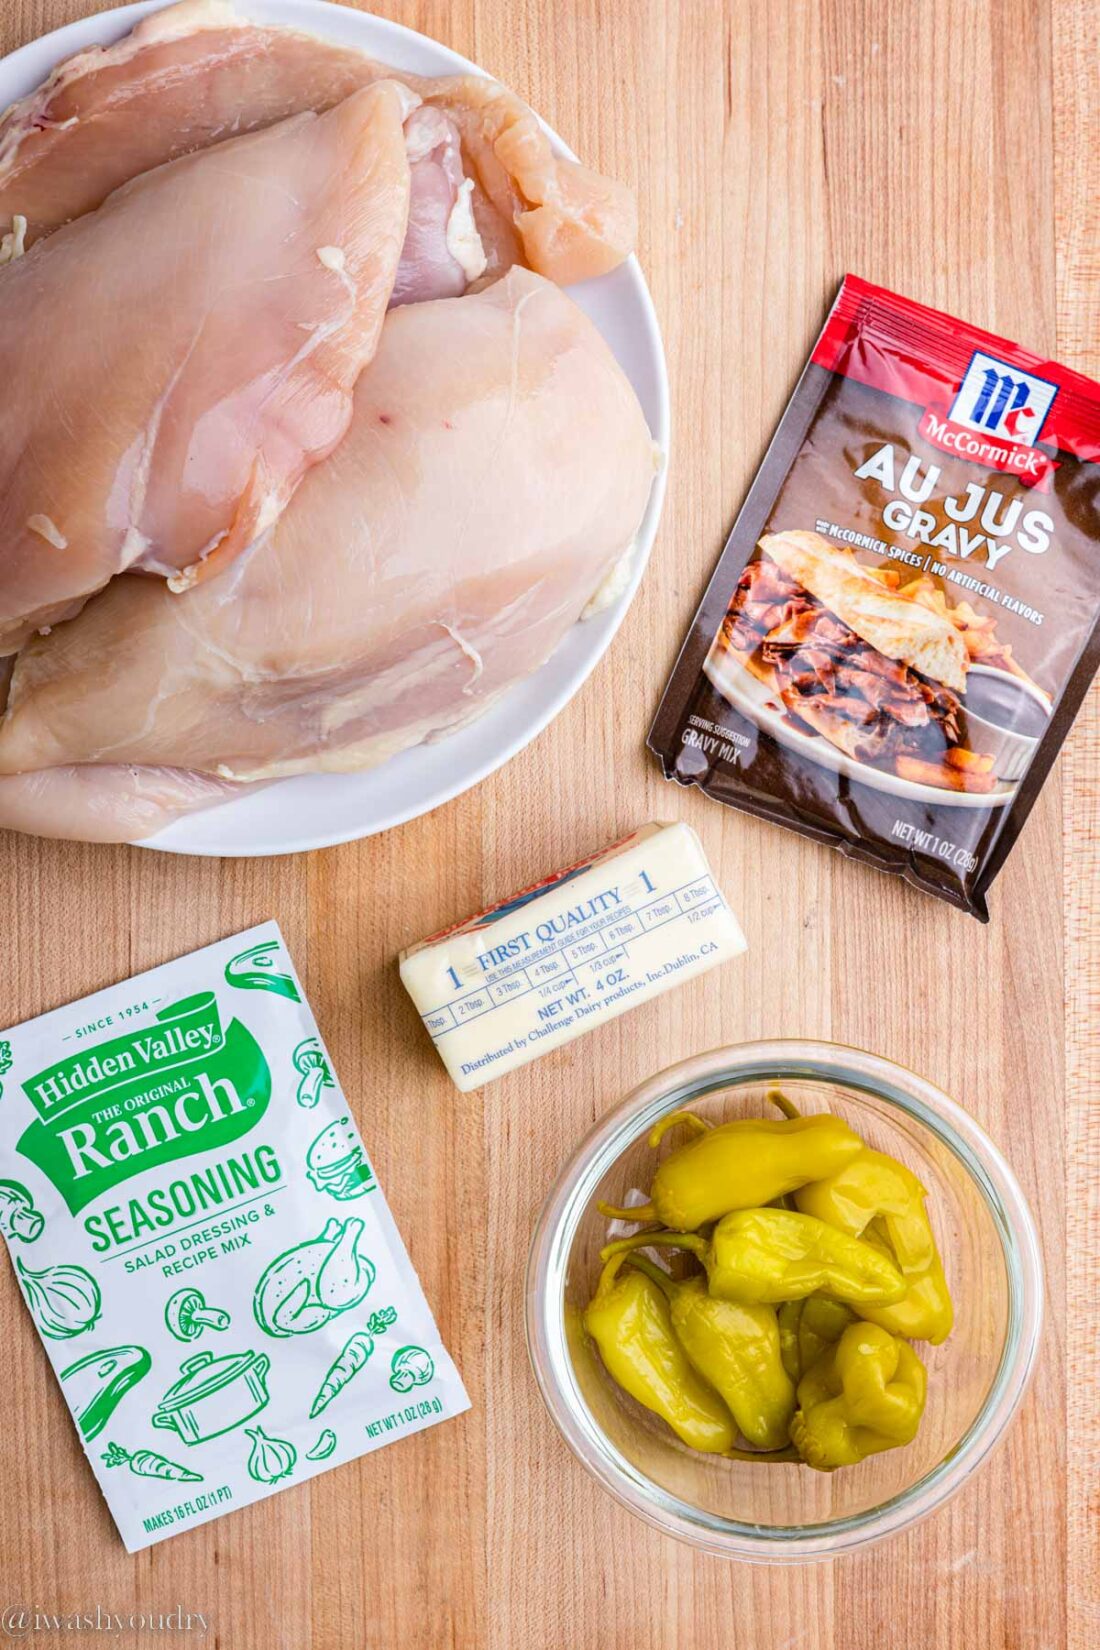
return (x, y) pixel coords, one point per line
(64, 1300)
(271, 1458)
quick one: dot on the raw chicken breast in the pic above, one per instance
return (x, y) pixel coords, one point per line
(108, 804)
(443, 251)
(195, 73)
(184, 78)
(495, 474)
(176, 360)
(572, 223)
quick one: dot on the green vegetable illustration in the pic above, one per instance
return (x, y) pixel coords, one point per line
(146, 1463)
(64, 1300)
(306, 1286)
(356, 1350)
(313, 1071)
(337, 1164)
(411, 1366)
(324, 1446)
(254, 970)
(18, 1216)
(271, 1458)
(97, 1384)
(187, 1315)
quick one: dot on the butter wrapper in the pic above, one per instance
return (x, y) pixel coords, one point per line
(570, 953)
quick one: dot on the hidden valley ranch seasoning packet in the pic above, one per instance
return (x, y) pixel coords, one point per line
(202, 1244)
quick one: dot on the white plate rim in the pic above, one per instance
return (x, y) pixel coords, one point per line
(22, 70)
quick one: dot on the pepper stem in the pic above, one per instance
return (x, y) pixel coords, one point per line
(643, 1212)
(779, 1100)
(690, 1241)
(697, 1125)
(768, 1456)
(653, 1273)
(607, 1277)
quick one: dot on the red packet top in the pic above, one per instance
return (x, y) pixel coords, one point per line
(984, 399)
(903, 622)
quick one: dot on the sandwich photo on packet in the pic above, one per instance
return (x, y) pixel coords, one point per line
(904, 620)
(878, 670)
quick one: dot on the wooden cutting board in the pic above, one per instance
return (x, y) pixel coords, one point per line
(946, 150)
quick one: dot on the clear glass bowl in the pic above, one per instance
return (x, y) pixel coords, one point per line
(976, 1379)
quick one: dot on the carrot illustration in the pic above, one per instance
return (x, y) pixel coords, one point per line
(146, 1463)
(351, 1359)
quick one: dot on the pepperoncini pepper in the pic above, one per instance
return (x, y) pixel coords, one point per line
(737, 1165)
(629, 1318)
(807, 1327)
(764, 1256)
(734, 1348)
(874, 1197)
(864, 1395)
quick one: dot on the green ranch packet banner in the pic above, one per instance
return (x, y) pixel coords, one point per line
(202, 1244)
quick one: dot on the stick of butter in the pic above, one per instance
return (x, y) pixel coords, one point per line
(570, 953)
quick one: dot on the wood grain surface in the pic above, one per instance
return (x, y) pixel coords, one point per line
(946, 148)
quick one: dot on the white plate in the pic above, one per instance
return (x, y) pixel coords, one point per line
(314, 812)
(754, 699)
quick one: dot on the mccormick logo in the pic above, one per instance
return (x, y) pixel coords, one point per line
(183, 1085)
(995, 420)
(997, 399)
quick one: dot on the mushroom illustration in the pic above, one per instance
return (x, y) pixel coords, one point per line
(187, 1315)
(18, 1216)
(313, 1070)
(411, 1366)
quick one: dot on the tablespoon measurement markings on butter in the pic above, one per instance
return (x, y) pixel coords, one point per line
(575, 950)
